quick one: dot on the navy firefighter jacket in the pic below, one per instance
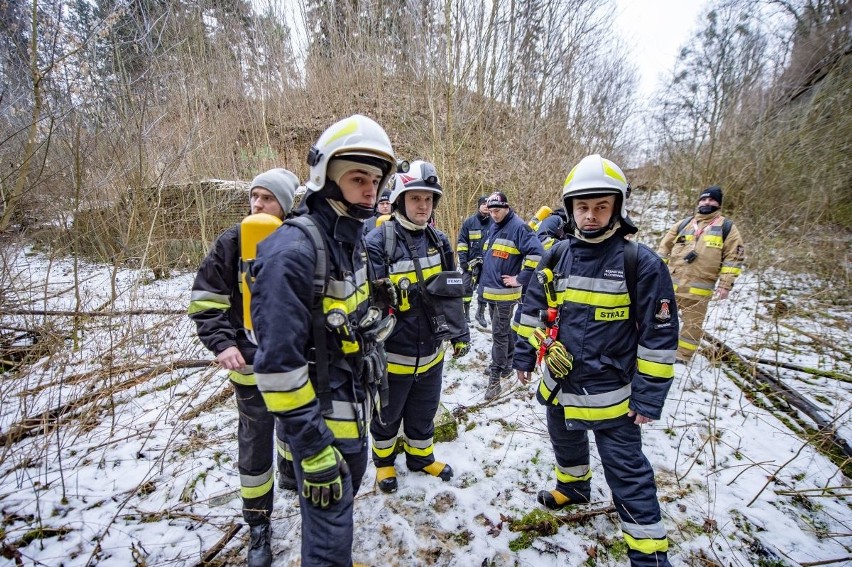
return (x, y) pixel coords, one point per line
(511, 249)
(281, 312)
(411, 347)
(216, 305)
(623, 354)
(472, 235)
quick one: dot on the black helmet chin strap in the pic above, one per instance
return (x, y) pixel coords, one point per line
(359, 212)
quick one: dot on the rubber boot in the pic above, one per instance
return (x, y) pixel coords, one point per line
(493, 389)
(259, 549)
(467, 312)
(386, 479)
(480, 315)
(553, 499)
(439, 469)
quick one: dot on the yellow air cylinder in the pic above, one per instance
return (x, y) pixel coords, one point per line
(253, 229)
(542, 213)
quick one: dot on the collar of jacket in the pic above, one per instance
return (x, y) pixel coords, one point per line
(701, 219)
(342, 228)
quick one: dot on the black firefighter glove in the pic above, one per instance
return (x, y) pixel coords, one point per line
(385, 295)
(555, 355)
(322, 482)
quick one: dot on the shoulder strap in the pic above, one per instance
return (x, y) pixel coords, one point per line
(321, 272)
(726, 228)
(631, 261)
(683, 224)
(432, 234)
(389, 232)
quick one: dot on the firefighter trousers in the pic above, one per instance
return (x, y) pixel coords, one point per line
(327, 533)
(257, 433)
(413, 402)
(628, 474)
(691, 311)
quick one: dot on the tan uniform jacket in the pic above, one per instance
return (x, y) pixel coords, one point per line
(716, 258)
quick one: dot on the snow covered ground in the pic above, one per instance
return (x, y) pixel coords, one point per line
(121, 465)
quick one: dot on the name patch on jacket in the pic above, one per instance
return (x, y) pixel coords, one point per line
(500, 254)
(663, 311)
(611, 274)
(617, 314)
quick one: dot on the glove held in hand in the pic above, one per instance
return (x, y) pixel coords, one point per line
(556, 356)
(384, 293)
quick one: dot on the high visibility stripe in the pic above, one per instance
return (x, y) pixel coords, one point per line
(400, 364)
(730, 270)
(348, 304)
(284, 449)
(681, 343)
(462, 248)
(700, 291)
(665, 260)
(502, 294)
(573, 474)
(665, 356)
(419, 443)
(655, 369)
(343, 429)
(288, 401)
(242, 379)
(532, 261)
(505, 245)
(527, 324)
(255, 486)
(384, 448)
(546, 391)
(474, 234)
(201, 295)
(198, 306)
(416, 451)
(283, 381)
(656, 530)
(647, 545)
(585, 297)
(597, 414)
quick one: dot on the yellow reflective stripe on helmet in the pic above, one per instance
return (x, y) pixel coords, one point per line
(597, 414)
(348, 126)
(610, 171)
(655, 369)
(255, 486)
(647, 546)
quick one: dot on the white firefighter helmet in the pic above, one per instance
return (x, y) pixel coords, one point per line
(595, 175)
(421, 176)
(353, 136)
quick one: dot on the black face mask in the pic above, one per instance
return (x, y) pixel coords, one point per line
(707, 209)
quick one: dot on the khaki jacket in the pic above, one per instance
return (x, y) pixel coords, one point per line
(717, 258)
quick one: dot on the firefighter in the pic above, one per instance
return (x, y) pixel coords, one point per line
(552, 229)
(319, 331)
(383, 209)
(704, 253)
(409, 252)
(469, 248)
(608, 352)
(217, 309)
(510, 254)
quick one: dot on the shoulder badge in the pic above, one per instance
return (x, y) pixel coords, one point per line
(664, 313)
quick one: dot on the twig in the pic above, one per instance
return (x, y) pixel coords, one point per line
(805, 369)
(825, 561)
(60, 313)
(816, 338)
(209, 403)
(230, 532)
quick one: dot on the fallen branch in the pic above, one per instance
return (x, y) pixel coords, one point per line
(230, 532)
(545, 527)
(805, 369)
(816, 338)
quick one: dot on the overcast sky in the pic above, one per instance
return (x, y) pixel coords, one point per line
(655, 30)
